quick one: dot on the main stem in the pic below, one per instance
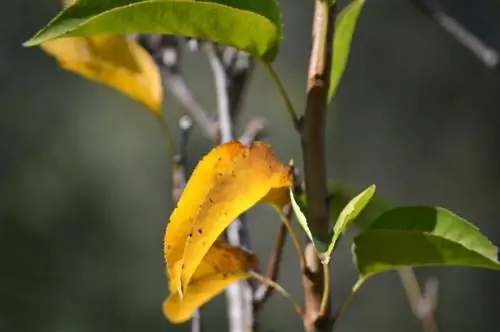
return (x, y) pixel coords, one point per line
(312, 130)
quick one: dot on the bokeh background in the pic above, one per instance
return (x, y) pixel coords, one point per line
(85, 187)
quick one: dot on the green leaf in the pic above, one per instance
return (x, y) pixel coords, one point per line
(253, 26)
(344, 30)
(348, 214)
(341, 194)
(421, 236)
(301, 218)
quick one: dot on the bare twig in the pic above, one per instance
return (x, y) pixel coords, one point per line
(253, 130)
(179, 183)
(180, 90)
(423, 305)
(238, 67)
(196, 325)
(240, 294)
(312, 130)
(166, 50)
(483, 52)
(264, 292)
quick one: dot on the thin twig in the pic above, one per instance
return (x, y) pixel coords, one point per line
(434, 9)
(253, 130)
(196, 325)
(179, 183)
(264, 292)
(180, 90)
(422, 305)
(220, 79)
(283, 93)
(240, 294)
(274, 285)
(312, 131)
(166, 50)
(238, 67)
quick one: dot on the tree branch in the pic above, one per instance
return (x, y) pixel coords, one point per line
(434, 9)
(312, 130)
(253, 131)
(264, 292)
(240, 294)
(166, 50)
(423, 305)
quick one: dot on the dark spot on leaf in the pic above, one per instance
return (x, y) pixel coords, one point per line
(210, 200)
(190, 234)
(182, 266)
(200, 231)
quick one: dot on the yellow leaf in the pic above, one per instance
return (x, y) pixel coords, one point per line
(228, 181)
(115, 61)
(221, 266)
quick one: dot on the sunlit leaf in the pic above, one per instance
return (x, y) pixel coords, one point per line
(221, 266)
(421, 236)
(341, 194)
(348, 214)
(253, 26)
(319, 246)
(228, 181)
(115, 61)
(344, 30)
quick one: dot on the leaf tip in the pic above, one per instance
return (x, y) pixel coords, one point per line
(30, 42)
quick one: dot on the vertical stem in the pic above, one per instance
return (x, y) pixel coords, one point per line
(240, 294)
(312, 130)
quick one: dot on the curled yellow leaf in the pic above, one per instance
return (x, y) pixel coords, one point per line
(115, 61)
(221, 266)
(228, 181)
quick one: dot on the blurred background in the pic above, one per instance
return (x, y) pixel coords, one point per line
(85, 183)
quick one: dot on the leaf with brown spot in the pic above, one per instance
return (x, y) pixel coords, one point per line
(228, 181)
(115, 61)
(221, 266)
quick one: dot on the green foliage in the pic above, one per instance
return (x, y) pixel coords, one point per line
(421, 236)
(348, 214)
(340, 194)
(253, 26)
(344, 30)
(298, 207)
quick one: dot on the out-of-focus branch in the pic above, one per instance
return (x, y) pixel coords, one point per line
(180, 90)
(238, 67)
(434, 9)
(253, 131)
(264, 292)
(312, 131)
(179, 171)
(166, 50)
(423, 305)
(240, 294)
(179, 183)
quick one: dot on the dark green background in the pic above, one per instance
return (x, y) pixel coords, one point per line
(85, 180)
